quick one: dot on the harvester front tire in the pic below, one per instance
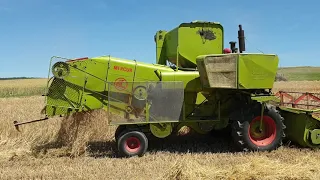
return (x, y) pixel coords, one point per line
(248, 138)
(132, 143)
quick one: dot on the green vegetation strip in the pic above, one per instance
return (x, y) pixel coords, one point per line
(18, 92)
(300, 73)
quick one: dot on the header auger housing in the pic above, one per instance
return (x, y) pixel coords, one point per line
(196, 82)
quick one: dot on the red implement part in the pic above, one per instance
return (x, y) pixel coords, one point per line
(295, 99)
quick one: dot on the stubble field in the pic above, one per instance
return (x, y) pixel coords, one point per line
(82, 147)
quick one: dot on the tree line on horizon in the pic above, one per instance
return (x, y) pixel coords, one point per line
(13, 78)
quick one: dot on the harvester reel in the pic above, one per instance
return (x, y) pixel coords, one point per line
(60, 70)
(161, 130)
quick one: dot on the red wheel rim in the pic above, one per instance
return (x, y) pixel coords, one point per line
(268, 133)
(132, 144)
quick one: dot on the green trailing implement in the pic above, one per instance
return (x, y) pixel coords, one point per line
(195, 82)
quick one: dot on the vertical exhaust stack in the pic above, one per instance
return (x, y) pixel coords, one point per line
(233, 46)
(242, 46)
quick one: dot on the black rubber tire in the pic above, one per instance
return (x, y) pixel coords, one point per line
(119, 130)
(240, 132)
(138, 136)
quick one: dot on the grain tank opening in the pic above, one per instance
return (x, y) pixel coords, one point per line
(181, 45)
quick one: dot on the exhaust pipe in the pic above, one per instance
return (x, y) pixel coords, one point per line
(233, 46)
(242, 46)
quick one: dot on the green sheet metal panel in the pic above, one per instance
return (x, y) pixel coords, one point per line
(190, 40)
(257, 71)
(299, 125)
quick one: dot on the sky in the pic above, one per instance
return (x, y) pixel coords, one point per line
(32, 31)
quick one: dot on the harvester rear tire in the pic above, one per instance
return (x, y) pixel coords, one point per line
(270, 139)
(132, 143)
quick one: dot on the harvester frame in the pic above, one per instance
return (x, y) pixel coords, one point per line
(204, 87)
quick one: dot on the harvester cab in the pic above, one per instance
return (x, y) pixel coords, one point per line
(195, 82)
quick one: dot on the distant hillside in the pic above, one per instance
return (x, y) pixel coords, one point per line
(303, 73)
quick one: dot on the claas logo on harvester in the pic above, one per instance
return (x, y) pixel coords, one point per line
(121, 84)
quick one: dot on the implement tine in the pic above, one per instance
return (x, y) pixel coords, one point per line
(17, 124)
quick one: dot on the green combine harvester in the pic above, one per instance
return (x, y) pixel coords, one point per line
(195, 82)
